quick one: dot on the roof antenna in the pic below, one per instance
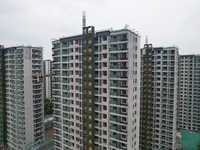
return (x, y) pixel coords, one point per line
(146, 40)
(84, 19)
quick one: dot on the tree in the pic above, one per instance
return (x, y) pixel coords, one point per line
(198, 146)
(48, 107)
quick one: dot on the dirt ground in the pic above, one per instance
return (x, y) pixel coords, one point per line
(49, 133)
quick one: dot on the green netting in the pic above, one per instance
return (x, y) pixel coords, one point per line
(189, 140)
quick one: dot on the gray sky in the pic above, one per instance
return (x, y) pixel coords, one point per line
(36, 22)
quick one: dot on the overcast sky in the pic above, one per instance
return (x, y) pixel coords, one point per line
(37, 22)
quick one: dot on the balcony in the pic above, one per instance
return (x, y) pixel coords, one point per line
(65, 53)
(66, 116)
(113, 128)
(113, 145)
(66, 130)
(56, 74)
(113, 49)
(164, 69)
(118, 67)
(113, 84)
(57, 113)
(114, 67)
(113, 93)
(113, 58)
(113, 102)
(112, 111)
(64, 46)
(66, 103)
(114, 136)
(56, 94)
(56, 60)
(65, 81)
(66, 95)
(113, 40)
(66, 109)
(66, 136)
(57, 87)
(113, 119)
(113, 76)
(65, 88)
(64, 60)
(66, 123)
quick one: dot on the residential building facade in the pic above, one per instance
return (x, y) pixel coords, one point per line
(24, 97)
(189, 93)
(159, 88)
(47, 79)
(2, 100)
(96, 90)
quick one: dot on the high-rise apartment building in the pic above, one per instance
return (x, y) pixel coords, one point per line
(189, 93)
(159, 88)
(96, 90)
(24, 97)
(47, 80)
(2, 100)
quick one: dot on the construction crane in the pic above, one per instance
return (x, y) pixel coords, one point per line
(41, 76)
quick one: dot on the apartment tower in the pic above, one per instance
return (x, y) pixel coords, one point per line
(189, 95)
(96, 90)
(24, 97)
(2, 100)
(159, 88)
(47, 80)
